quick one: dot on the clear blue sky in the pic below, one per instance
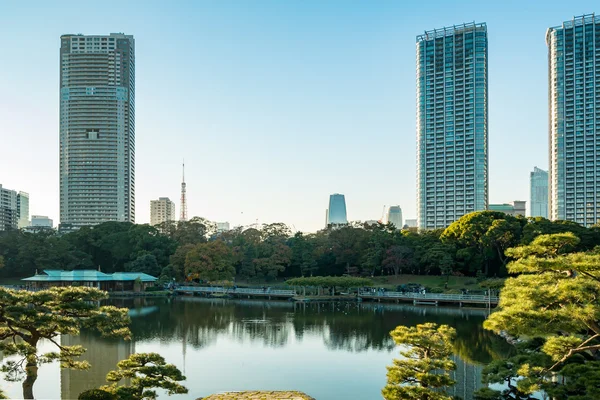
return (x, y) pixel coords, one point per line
(274, 104)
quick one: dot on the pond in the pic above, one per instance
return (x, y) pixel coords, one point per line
(330, 351)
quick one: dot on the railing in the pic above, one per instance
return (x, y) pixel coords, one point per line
(433, 296)
(222, 290)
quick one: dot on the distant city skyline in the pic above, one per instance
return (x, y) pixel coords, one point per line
(256, 100)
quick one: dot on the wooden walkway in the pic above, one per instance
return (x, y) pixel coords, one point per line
(379, 296)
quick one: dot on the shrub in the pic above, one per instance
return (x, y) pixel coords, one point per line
(435, 290)
(96, 394)
(153, 289)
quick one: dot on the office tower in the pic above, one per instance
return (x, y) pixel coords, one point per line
(22, 209)
(574, 120)
(517, 207)
(452, 124)
(411, 223)
(222, 227)
(395, 216)
(41, 221)
(538, 199)
(337, 210)
(97, 129)
(161, 210)
(8, 209)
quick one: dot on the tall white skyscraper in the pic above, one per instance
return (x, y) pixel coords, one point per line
(452, 124)
(97, 129)
(574, 120)
(161, 210)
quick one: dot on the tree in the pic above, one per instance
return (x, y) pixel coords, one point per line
(398, 258)
(481, 238)
(554, 297)
(146, 371)
(424, 371)
(97, 394)
(26, 318)
(212, 261)
(145, 263)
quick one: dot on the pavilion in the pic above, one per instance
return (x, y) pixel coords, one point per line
(118, 281)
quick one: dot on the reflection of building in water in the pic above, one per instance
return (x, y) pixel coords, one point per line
(467, 377)
(102, 354)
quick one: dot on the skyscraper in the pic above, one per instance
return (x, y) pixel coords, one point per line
(97, 129)
(452, 124)
(538, 200)
(22, 209)
(574, 120)
(395, 216)
(161, 210)
(8, 209)
(337, 210)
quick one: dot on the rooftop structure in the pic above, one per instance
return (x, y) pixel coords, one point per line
(90, 278)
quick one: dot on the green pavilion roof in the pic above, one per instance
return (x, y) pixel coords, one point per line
(88, 275)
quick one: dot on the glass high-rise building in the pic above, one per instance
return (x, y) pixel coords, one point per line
(538, 201)
(23, 209)
(395, 216)
(452, 124)
(97, 129)
(336, 213)
(574, 120)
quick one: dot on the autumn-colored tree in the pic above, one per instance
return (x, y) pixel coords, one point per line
(423, 372)
(211, 261)
(26, 318)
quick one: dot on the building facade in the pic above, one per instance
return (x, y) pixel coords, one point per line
(336, 214)
(538, 193)
(452, 124)
(41, 221)
(161, 210)
(395, 216)
(517, 207)
(22, 209)
(574, 120)
(8, 209)
(411, 223)
(222, 227)
(97, 129)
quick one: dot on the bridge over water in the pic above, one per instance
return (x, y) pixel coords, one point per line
(380, 296)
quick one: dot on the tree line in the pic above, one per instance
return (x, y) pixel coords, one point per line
(474, 245)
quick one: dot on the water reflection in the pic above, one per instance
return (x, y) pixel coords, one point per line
(255, 341)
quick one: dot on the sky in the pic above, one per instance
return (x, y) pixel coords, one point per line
(274, 105)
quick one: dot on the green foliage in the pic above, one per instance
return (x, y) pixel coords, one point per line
(212, 261)
(97, 394)
(554, 297)
(145, 263)
(28, 317)
(423, 372)
(330, 281)
(145, 371)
